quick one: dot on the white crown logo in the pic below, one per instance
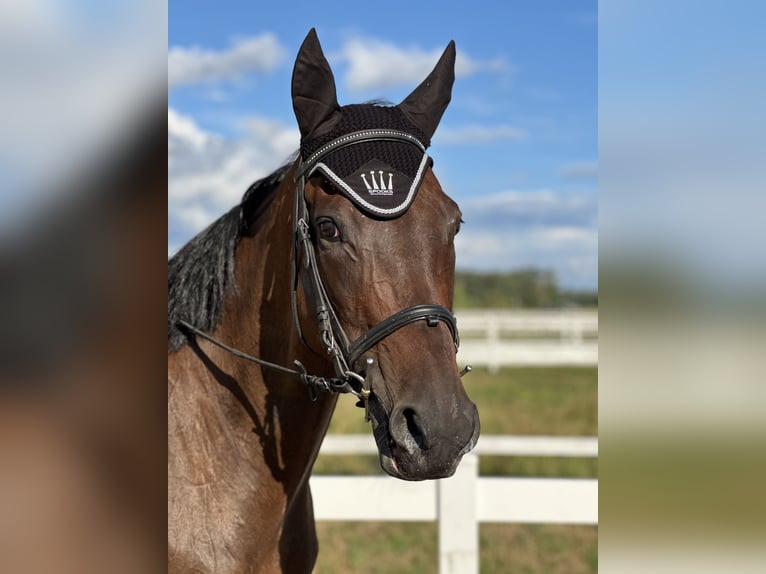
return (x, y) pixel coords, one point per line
(381, 189)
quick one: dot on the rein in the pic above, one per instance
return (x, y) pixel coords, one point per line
(313, 382)
(343, 353)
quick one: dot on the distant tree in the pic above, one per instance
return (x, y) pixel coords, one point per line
(578, 298)
(523, 288)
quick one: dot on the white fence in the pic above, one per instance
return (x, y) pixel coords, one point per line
(497, 337)
(461, 502)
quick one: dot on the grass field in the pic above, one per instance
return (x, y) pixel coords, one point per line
(525, 401)
(404, 548)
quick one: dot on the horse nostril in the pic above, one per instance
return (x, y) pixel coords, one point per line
(414, 428)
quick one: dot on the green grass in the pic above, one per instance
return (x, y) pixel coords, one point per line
(412, 547)
(536, 401)
(523, 401)
(529, 548)
(376, 547)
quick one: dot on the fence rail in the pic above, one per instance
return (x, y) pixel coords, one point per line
(461, 502)
(498, 337)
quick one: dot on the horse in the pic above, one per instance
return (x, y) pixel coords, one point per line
(333, 275)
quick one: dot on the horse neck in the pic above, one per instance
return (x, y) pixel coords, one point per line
(257, 319)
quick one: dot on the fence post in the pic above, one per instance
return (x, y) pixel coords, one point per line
(458, 527)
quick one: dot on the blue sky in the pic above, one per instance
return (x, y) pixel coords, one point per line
(517, 148)
(681, 132)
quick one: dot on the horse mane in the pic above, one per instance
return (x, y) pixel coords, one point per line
(202, 270)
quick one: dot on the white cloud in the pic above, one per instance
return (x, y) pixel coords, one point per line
(208, 173)
(530, 208)
(562, 236)
(194, 216)
(377, 64)
(584, 170)
(483, 246)
(540, 228)
(194, 64)
(74, 85)
(572, 253)
(478, 134)
(183, 129)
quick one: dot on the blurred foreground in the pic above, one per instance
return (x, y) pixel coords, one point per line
(82, 287)
(682, 287)
(82, 398)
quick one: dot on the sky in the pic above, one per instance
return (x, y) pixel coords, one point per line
(517, 147)
(74, 82)
(682, 139)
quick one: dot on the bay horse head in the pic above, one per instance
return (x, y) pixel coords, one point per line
(334, 273)
(375, 263)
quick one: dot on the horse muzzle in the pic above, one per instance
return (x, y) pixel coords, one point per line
(420, 442)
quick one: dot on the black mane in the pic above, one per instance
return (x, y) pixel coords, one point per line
(201, 272)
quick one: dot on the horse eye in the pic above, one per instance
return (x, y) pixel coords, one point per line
(328, 230)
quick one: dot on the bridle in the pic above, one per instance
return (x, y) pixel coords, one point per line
(343, 353)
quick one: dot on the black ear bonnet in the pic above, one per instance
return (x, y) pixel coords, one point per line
(375, 155)
(380, 176)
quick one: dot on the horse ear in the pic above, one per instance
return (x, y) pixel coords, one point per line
(426, 104)
(313, 89)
